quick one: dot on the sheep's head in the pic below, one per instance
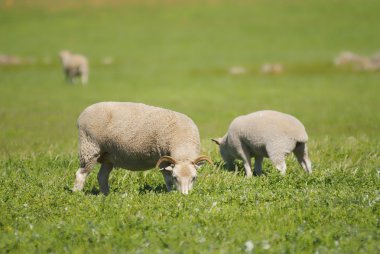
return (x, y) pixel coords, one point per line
(64, 54)
(180, 174)
(224, 151)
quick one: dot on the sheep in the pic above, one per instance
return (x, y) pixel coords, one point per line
(262, 134)
(375, 60)
(237, 70)
(74, 66)
(357, 62)
(138, 137)
(108, 60)
(10, 60)
(275, 68)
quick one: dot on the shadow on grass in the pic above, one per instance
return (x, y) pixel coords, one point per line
(237, 169)
(156, 189)
(93, 191)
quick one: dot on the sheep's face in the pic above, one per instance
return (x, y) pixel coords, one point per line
(224, 152)
(182, 175)
(64, 54)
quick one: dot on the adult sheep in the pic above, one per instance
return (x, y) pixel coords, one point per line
(138, 137)
(74, 65)
(264, 134)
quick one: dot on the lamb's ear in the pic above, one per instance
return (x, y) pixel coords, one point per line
(166, 162)
(198, 162)
(217, 140)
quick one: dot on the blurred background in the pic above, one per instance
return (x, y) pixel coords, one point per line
(212, 60)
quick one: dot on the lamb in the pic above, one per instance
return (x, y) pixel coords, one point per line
(264, 134)
(74, 66)
(138, 137)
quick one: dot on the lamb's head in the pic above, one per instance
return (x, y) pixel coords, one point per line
(181, 174)
(224, 151)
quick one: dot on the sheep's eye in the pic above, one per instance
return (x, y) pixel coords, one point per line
(175, 178)
(194, 178)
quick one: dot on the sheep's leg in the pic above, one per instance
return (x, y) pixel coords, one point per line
(258, 165)
(302, 156)
(88, 155)
(247, 163)
(103, 176)
(247, 167)
(82, 174)
(68, 76)
(84, 78)
(245, 156)
(73, 79)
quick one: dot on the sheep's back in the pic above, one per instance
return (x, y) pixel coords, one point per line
(264, 126)
(138, 132)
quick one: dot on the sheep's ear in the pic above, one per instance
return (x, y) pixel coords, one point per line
(168, 168)
(166, 163)
(198, 162)
(217, 140)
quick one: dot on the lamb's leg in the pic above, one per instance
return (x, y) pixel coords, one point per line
(247, 164)
(258, 165)
(103, 176)
(302, 156)
(247, 167)
(82, 174)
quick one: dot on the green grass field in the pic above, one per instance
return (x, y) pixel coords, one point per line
(177, 56)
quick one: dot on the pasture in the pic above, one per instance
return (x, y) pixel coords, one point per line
(177, 56)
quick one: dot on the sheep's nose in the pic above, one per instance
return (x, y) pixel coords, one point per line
(185, 190)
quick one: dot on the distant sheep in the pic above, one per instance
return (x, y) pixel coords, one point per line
(375, 60)
(10, 60)
(264, 134)
(237, 70)
(108, 60)
(356, 62)
(138, 137)
(275, 68)
(74, 66)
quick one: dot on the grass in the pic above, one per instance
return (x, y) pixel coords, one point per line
(177, 56)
